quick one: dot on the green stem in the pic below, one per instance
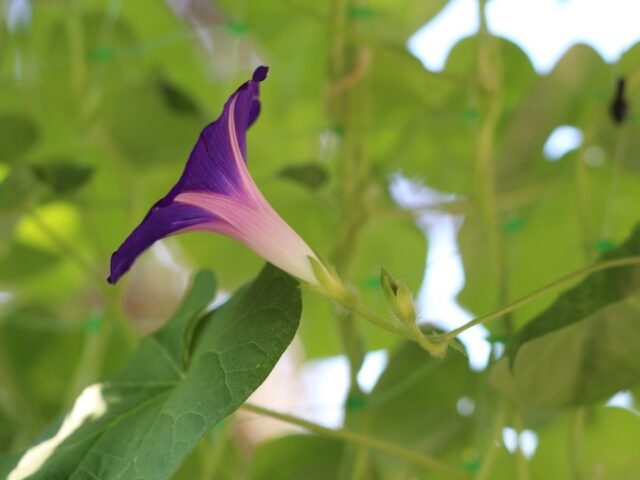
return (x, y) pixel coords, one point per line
(92, 272)
(353, 343)
(491, 454)
(435, 345)
(213, 451)
(575, 443)
(17, 406)
(619, 154)
(341, 100)
(68, 250)
(522, 464)
(363, 440)
(363, 311)
(584, 198)
(618, 262)
(489, 77)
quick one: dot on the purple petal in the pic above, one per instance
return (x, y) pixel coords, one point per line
(160, 222)
(217, 162)
(216, 165)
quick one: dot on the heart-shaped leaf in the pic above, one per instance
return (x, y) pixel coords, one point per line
(142, 424)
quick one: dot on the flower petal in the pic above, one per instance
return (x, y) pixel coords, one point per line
(217, 163)
(161, 221)
(217, 194)
(256, 224)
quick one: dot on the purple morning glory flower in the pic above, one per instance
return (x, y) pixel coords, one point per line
(217, 194)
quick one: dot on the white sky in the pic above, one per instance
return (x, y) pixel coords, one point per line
(544, 29)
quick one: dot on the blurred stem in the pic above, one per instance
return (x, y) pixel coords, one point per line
(344, 73)
(213, 450)
(354, 348)
(17, 406)
(364, 440)
(488, 68)
(92, 272)
(618, 262)
(78, 78)
(91, 361)
(584, 200)
(614, 181)
(95, 345)
(522, 463)
(69, 250)
(495, 443)
(576, 430)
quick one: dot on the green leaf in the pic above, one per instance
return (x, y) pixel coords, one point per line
(177, 334)
(17, 189)
(18, 134)
(570, 94)
(145, 127)
(7, 462)
(587, 361)
(605, 449)
(310, 175)
(398, 245)
(63, 176)
(426, 124)
(142, 424)
(586, 299)
(392, 20)
(41, 353)
(414, 403)
(176, 99)
(20, 261)
(297, 456)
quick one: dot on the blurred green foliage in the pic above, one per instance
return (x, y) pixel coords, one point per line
(101, 102)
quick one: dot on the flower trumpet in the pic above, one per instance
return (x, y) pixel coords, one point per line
(216, 193)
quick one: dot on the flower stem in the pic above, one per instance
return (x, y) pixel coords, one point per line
(363, 311)
(438, 344)
(618, 262)
(362, 439)
(433, 344)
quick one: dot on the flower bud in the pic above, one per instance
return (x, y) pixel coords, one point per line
(398, 297)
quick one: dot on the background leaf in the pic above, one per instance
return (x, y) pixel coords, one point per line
(18, 135)
(594, 293)
(297, 456)
(587, 361)
(603, 448)
(62, 176)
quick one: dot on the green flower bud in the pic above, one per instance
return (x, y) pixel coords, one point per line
(398, 297)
